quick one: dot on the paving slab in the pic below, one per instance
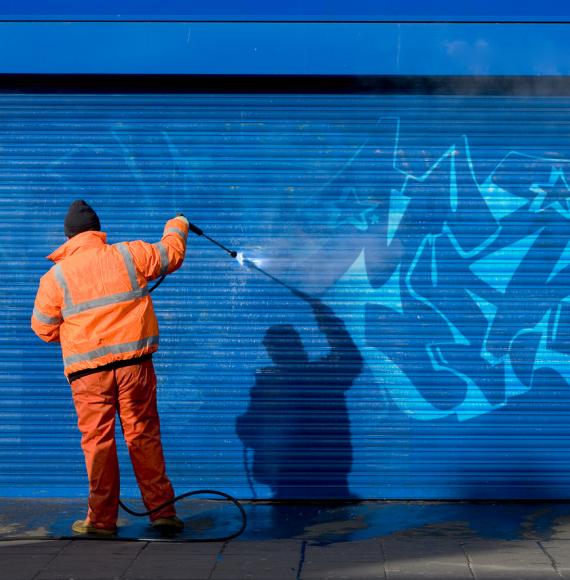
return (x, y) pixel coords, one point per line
(23, 566)
(523, 560)
(173, 565)
(275, 560)
(172, 549)
(344, 571)
(359, 560)
(255, 569)
(94, 548)
(24, 559)
(425, 558)
(32, 546)
(275, 547)
(91, 560)
(371, 549)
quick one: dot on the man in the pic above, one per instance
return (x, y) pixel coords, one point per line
(95, 302)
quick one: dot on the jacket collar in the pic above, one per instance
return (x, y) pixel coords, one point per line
(90, 239)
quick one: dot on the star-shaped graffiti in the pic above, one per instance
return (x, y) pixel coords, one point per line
(553, 194)
(350, 209)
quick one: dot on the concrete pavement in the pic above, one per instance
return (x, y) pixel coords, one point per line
(356, 541)
(374, 558)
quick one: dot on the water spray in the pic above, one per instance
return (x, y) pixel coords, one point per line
(243, 261)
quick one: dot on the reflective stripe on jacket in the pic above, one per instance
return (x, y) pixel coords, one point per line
(95, 299)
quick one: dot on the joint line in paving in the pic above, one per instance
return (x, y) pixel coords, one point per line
(383, 549)
(301, 560)
(468, 560)
(551, 559)
(51, 560)
(146, 545)
(217, 559)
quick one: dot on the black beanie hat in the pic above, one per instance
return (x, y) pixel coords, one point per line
(81, 217)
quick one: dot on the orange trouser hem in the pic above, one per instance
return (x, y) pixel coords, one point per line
(130, 391)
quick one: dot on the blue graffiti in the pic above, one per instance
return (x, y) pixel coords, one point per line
(463, 282)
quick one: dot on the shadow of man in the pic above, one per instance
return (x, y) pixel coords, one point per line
(297, 421)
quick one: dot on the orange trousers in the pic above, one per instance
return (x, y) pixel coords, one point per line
(131, 392)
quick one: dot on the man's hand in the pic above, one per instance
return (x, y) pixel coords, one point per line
(192, 227)
(182, 217)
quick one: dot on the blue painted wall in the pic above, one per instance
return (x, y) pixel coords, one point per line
(196, 48)
(335, 37)
(294, 10)
(435, 229)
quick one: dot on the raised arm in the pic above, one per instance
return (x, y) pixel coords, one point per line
(163, 257)
(344, 351)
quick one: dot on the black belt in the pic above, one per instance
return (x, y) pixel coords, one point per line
(119, 364)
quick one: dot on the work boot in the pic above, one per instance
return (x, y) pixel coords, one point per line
(168, 525)
(84, 527)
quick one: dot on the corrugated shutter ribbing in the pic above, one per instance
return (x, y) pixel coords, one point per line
(434, 227)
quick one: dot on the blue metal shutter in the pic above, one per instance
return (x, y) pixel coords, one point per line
(435, 229)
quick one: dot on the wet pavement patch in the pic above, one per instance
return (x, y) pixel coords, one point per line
(316, 523)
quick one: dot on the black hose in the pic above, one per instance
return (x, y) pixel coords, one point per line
(248, 473)
(226, 496)
(157, 283)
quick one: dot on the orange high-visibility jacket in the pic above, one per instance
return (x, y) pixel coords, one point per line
(95, 300)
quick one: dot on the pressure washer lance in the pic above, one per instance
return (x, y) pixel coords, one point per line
(242, 260)
(199, 232)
